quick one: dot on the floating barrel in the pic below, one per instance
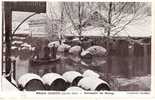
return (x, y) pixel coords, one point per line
(72, 77)
(30, 82)
(54, 81)
(74, 89)
(93, 83)
(90, 73)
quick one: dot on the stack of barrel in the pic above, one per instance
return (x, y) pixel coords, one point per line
(49, 81)
(69, 81)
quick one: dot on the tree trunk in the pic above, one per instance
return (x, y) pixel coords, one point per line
(62, 20)
(109, 60)
(109, 17)
(79, 14)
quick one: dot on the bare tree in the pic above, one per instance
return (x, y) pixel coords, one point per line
(76, 12)
(121, 14)
(116, 15)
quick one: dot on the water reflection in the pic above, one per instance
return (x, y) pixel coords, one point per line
(121, 66)
(22, 67)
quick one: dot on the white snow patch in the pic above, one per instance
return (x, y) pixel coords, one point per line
(83, 63)
(90, 73)
(13, 47)
(63, 47)
(32, 48)
(56, 43)
(97, 50)
(49, 78)
(90, 83)
(17, 42)
(21, 38)
(26, 45)
(24, 79)
(71, 75)
(76, 39)
(138, 28)
(7, 86)
(91, 31)
(25, 48)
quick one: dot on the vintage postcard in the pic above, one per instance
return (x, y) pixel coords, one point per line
(81, 48)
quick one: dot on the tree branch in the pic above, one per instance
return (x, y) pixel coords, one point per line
(118, 13)
(135, 11)
(68, 13)
(124, 26)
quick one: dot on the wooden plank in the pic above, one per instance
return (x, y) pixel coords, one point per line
(8, 31)
(38, 7)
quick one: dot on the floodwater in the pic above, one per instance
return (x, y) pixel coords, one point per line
(121, 67)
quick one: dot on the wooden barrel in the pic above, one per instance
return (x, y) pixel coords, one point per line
(72, 77)
(54, 81)
(93, 84)
(74, 88)
(30, 82)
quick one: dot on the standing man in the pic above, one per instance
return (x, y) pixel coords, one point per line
(54, 51)
(46, 50)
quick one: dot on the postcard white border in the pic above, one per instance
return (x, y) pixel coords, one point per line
(118, 95)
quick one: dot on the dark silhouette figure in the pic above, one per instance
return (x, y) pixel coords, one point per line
(54, 51)
(46, 52)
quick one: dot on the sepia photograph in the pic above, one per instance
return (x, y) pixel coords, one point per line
(76, 46)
